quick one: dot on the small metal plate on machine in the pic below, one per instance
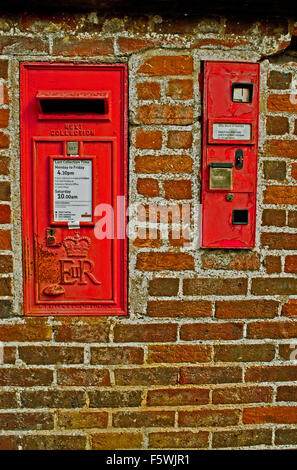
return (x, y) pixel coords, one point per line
(231, 131)
(72, 190)
(220, 176)
(72, 148)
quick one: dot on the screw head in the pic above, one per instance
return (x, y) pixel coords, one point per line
(229, 197)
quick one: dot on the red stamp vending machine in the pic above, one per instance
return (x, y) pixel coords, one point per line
(229, 154)
(73, 161)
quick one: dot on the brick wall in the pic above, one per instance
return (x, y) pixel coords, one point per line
(203, 358)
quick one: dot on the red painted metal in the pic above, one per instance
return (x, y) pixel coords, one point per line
(67, 269)
(218, 229)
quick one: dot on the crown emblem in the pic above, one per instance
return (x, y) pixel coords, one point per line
(77, 245)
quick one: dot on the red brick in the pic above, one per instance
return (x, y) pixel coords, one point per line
(139, 419)
(82, 419)
(273, 264)
(275, 170)
(127, 45)
(179, 308)
(148, 187)
(116, 355)
(150, 238)
(114, 398)
(285, 351)
(26, 421)
(178, 189)
(273, 414)
(178, 397)
(6, 264)
(290, 309)
(163, 164)
(30, 331)
(210, 375)
(14, 376)
(5, 213)
(277, 125)
(281, 148)
(281, 103)
(242, 438)
(180, 89)
(8, 400)
(9, 442)
(279, 241)
(148, 91)
(6, 309)
(5, 239)
(291, 264)
(274, 329)
(4, 161)
(178, 440)
(294, 171)
(4, 69)
(211, 331)
(206, 418)
(164, 261)
(271, 374)
(179, 139)
(23, 44)
(53, 398)
(4, 144)
(286, 436)
(163, 287)
(5, 287)
(280, 195)
(233, 261)
(54, 442)
(148, 139)
(165, 114)
(51, 354)
(274, 217)
(117, 441)
(292, 219)
(145, 333)
(83, 331)
(287, 393)
(70, 46)
(246, 309)
(147, 376)
(235, 395)
(279, 80)
(215, 286)
(4, 188)
(274, 286)
(167, 65)
(178, 353)
(84, 377)
(244, 352)
(4, 117)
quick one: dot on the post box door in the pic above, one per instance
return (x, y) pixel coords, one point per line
(73, 169)
(229, 154)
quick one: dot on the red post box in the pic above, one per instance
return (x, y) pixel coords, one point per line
(229, 154)
(73, 159)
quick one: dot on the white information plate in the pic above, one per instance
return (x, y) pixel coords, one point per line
(72, 188)
(230, 131)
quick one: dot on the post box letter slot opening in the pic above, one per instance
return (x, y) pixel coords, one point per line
(73, 104)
